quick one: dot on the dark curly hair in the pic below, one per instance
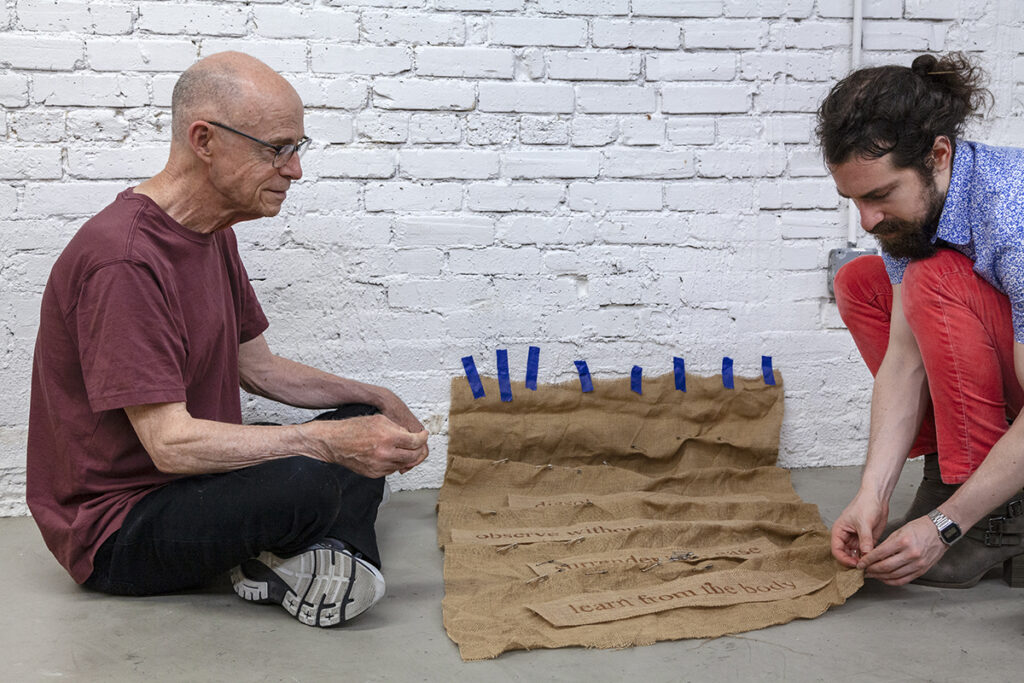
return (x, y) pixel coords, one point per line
(894, 109)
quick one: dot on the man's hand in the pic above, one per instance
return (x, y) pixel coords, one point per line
(908, 553)
(372, 446)
(859, 525)
(396, 410)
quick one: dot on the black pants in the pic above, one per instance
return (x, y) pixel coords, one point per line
(192, 530)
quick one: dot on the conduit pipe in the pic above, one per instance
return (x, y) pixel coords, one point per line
(853, 216)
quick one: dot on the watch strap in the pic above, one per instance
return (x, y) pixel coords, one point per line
(949, 531)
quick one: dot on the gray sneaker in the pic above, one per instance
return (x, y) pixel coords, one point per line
(323, 586)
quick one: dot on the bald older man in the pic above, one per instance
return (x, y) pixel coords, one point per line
(141, 477)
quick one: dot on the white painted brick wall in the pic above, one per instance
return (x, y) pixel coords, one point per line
(521, 31)
(644, 34)
(328, 58)
(593, 66)
(390, 28)
(532, 98)
(678, 8)
(466, 62)
(615, 180)
(191, 19)
(705, 99)
(407, 94)
(609, 99)
(304, 23)
(688, 67)
(725, 34)
(547, 164)
(470, 164)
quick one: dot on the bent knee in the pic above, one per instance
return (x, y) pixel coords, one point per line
(922, 277)
(922, 273)
(860, 281)
(301, 481)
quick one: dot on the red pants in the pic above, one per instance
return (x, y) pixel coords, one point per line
(963, 327)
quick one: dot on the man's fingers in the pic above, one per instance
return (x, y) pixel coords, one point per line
(376, 446)
(905, 555)
(412, 441)
(889, 547)
(867, 539)
(394, 435)
(841, 548)
(893, 571)
(875, 567)
(845, 558)
(896, 577)
(404, 459)
(424, 452)
(887, 556)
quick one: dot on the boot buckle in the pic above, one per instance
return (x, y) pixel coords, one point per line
(993, 539)
(997, 534)
(1015, 508)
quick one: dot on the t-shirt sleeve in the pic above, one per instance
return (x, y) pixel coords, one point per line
(131, 349)
(253, 321)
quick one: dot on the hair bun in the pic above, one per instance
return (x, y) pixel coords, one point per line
(924, 64)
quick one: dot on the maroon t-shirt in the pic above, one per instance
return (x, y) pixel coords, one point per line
(138, 309)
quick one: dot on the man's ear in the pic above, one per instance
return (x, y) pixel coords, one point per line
(199, 137)
(942, 154)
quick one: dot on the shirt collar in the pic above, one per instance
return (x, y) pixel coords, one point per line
(953, 224)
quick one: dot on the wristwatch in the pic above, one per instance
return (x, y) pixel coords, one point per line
(949, 531)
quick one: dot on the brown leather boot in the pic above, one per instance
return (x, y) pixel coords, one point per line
(994, 541)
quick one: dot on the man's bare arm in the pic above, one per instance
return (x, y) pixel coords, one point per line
(899, 401)
(286, 381)
(373, 446)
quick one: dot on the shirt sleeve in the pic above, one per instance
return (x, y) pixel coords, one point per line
(895, 267)
(131, 349)
(1010, 271)
(252, 321)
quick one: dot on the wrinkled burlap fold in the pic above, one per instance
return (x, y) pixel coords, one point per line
(608, 518)
(469, 479)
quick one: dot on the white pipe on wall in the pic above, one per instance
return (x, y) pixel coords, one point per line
(853, 216)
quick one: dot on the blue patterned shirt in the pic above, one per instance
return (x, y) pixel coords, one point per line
(983, 218)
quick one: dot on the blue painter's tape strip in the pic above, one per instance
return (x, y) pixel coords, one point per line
(585, 382)
(504, 383)
(680, 368)
(727, 380)
(766, 370)
(636, 380)
(473, 376)
(532, 362)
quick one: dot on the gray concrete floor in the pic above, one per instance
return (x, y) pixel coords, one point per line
(52, 629)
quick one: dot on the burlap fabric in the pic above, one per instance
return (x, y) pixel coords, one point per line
(608, 519)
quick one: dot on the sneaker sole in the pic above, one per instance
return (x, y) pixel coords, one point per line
(321, 587)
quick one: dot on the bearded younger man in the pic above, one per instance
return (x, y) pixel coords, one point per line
(141, 477)
(939, 320)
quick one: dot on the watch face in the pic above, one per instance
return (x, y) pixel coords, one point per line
(950, 533)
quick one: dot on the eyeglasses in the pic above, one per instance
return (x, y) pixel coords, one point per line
(284, 152)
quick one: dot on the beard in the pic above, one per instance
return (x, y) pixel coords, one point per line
(912, 239)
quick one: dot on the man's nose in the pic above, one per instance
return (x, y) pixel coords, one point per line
(293, 169)
(869, 218)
